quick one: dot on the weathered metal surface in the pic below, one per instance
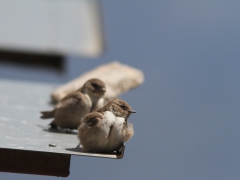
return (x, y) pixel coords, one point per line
(52, 27)
(21, 127)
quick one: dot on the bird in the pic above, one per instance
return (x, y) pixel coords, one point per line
(69, 111)
(107, 128)
(73, 107)
(96, 89)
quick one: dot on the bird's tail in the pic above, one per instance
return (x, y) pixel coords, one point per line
(47, 114)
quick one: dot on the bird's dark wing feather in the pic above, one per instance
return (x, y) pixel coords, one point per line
(92, 122)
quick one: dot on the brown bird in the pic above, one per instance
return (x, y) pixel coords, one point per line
(72, 108)
(107, 128)
(96, 89)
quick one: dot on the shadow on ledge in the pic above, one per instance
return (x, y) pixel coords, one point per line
(119, 154)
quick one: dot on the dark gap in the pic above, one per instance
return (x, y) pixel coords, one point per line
(55, 62)
(32, 162)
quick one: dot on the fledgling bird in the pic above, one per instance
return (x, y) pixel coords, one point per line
(69, 111)
(96, 89)
(72, 108)
(107, 128)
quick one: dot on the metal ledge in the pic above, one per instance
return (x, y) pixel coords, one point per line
(25, 138)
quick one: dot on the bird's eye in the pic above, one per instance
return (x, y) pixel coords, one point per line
(94, 85)
(122, 106)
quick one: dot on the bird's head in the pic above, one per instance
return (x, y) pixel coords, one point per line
(94, 87)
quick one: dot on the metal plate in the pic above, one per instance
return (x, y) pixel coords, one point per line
(21, 127)
(52, 27)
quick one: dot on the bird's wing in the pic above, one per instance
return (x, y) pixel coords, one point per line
(70, 100)
(91, 122)
(88, 124)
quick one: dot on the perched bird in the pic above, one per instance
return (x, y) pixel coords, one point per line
(107, 128)
(72, 108)
(96, 89)
(69, 111)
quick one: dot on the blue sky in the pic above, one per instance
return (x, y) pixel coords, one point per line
(187, 120)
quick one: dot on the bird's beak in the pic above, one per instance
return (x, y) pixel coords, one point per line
(103, 90)
(132, 111)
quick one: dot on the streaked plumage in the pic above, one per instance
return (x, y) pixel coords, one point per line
(107, 128)
(72, 108)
